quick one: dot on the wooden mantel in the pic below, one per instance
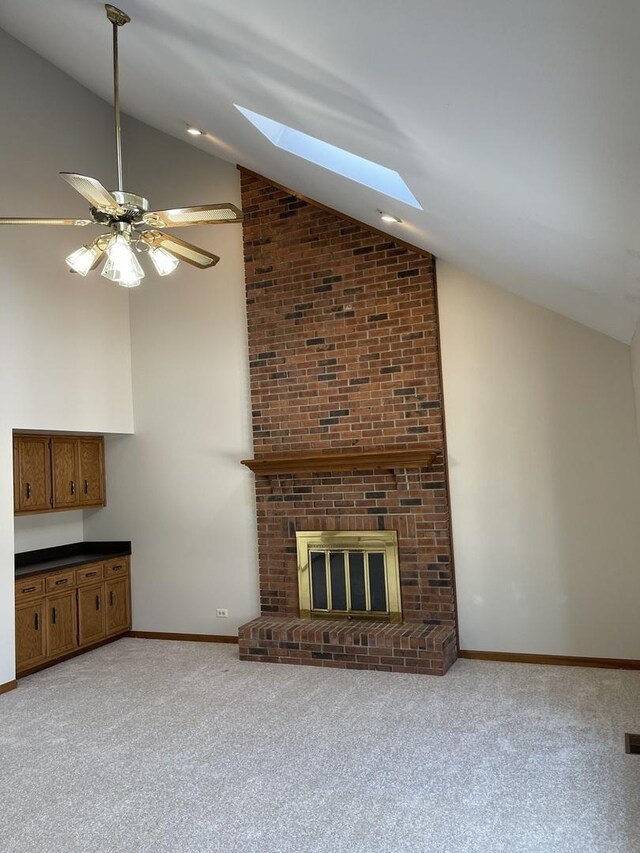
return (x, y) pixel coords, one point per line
(364, 460)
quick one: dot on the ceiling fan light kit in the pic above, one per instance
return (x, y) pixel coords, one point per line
(86, 258)
(122, 265)
(131, 227)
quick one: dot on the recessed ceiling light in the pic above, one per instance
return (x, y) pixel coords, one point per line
(388, 217)
(194, 131)
(337, 160)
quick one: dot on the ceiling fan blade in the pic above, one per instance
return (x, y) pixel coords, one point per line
(201, 214)
(180, 249)
(93, 191)
(5, 220)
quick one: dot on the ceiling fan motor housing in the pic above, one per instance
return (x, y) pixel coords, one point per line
(134, 206)
(131, 201)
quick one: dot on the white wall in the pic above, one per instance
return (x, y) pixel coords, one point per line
(635, 372)
(46, 531)
(545, 476)
(64, 340)
(176, 488)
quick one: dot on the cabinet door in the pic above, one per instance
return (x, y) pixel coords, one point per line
(91, 614)
(117, 605)
(31, 473)
(91, 471)
(62, 630)
(30, 635)
(64, 467)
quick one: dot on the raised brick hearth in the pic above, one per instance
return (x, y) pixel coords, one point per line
(344, 356)
(423, 649)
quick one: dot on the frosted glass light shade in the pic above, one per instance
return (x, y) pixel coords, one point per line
(122, 265)
(162, 260)
(83, 259)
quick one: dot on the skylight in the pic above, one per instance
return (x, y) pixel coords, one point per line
(337, 160)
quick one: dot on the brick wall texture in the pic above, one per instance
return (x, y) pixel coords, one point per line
(344, 355)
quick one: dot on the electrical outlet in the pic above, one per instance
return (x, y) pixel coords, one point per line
(223, 612)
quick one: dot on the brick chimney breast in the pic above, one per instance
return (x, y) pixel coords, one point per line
(344, 357)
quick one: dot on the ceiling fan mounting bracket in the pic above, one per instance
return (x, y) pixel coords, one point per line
(116, 16)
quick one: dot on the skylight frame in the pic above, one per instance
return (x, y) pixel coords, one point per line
(373, 175)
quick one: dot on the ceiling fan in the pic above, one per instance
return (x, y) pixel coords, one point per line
(129, 223)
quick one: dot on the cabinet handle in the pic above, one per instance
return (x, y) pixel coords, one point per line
(116, 568)
(36, 621)
(53, 616)
(28, 490)
(26, 589)
(73, 487)
(86, 487)
(62, 581)
(111, 598)
(97, 602)
(90, 574)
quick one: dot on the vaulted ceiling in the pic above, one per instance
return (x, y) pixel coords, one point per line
(515, 123)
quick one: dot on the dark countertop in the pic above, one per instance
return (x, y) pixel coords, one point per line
(67, 556)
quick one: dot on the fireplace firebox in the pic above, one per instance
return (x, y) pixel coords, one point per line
(349, 575)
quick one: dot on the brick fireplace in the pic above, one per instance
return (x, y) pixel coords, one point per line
(348, 428)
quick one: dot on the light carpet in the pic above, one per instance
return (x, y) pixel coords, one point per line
(148, 746)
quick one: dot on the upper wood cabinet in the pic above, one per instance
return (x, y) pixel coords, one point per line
(31, 473)
(91, 471)
(57, 472)
(64, 472)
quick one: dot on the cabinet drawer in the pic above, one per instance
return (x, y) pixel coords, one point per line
(29, 588)
(60, 581)
(116, 567)
(89, 574)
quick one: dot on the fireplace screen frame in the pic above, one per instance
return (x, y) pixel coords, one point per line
(366, 542)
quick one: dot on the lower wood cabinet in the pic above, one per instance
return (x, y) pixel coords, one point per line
(91, 621)
(117, 610)
(61, 612)
(61, 623)
(31, 642)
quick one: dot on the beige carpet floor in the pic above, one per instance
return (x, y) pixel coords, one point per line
(150, 746)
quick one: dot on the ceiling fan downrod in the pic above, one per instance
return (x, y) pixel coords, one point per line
(118, 18)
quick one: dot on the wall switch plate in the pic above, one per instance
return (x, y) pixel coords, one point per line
(223, 612)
